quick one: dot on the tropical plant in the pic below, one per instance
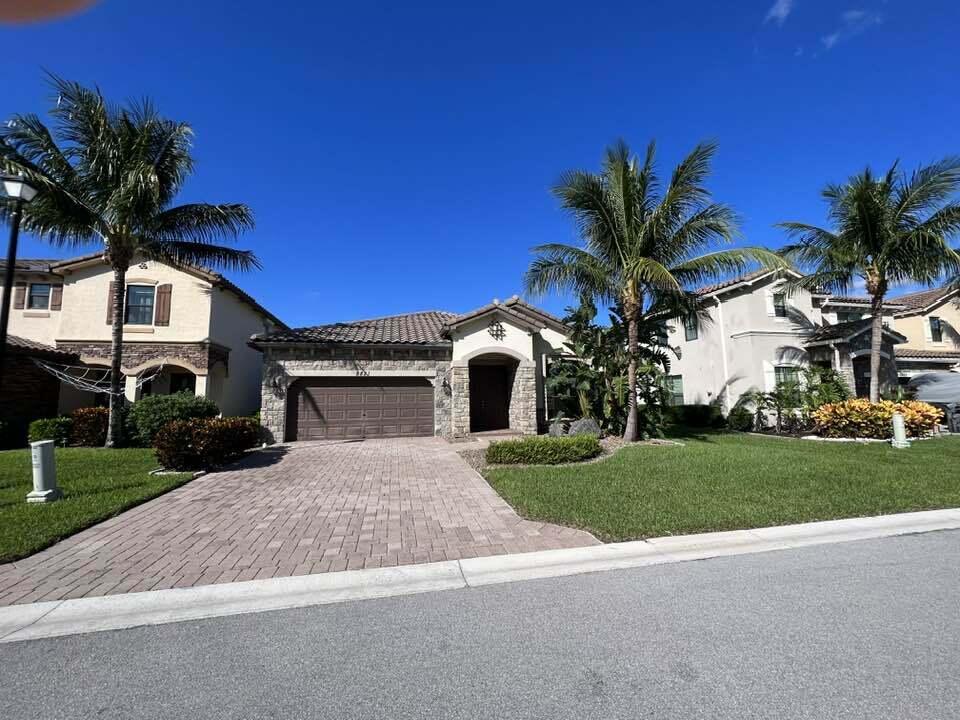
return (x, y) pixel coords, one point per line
(784, 400)
(108, 176)
(887, 230)
(860, 418)
(760, 402)
(592, 382)
(641, 243)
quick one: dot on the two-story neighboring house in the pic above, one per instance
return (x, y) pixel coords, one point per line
(931, 322)
(190, 323)
(759, 333)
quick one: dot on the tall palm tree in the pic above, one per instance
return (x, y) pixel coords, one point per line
(641, 245)
(109, 175)
(888, 229)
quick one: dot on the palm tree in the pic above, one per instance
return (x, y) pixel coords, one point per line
(641, 244)
(109, 175)
(888, 230)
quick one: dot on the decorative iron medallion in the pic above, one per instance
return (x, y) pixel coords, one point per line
(496, 330)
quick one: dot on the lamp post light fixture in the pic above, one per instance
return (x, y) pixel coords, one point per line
(18, 191)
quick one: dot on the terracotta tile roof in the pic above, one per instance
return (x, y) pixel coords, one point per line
(913, 353)
(29, 265)
(23, 346)
(418, 328)
(522, 312)
(912, 302)
(707, 289)
(843, 330)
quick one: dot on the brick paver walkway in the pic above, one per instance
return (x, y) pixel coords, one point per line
(305, 508)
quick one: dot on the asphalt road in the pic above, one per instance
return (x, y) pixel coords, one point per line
(858, 630)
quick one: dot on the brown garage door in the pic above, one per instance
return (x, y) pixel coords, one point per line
(352, 408)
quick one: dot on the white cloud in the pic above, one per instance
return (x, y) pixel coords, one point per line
(779, 11)
(853, 22)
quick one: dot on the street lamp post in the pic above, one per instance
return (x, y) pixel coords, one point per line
(19, 191)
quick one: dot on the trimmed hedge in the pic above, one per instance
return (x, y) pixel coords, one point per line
(146, 417)
(57, 429)
(861, 418)
(543, 450)
(89, 426)
(203, 443)
(740, 419)
(695, 416)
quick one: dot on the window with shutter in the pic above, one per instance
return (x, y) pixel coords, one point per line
(19, 295)
(56, 297)
(140, 303)
(163, 305)
(39, 296)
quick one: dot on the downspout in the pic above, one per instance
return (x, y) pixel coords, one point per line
(725, 398)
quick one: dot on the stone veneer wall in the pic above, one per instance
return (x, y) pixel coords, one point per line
(283, 366)
(522, 409)
(523, 400)
(200, 356)
(460, 407)
(888, 368)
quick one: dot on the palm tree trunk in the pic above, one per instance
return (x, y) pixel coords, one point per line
(876, 307)
(630, 431)
(115, 426)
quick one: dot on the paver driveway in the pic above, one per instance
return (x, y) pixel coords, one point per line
(300, 509)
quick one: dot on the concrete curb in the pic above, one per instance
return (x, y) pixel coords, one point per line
(115, 612)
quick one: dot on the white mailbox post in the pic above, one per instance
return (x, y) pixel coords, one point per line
(899, 432)
(44, 473)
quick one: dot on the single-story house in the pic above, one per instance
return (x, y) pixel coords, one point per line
(422, 373)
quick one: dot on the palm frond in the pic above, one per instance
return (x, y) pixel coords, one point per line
(202, 222)
(927, 188)
(199, 254)
(724, 263)
(563, 267)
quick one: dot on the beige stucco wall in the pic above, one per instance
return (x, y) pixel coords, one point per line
(85, 297)
(474, 337)
(232, 322)
(37, 325)
(917, 327)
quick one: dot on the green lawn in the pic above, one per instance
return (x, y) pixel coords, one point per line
(96, 484)
(729, 481)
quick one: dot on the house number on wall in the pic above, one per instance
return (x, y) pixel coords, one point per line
(496, 330)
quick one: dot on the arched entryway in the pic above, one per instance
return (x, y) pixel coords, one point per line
(491, 388)
(171, 379)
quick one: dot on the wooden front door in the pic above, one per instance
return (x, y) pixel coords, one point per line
(489, 397)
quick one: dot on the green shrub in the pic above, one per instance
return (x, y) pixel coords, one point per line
(203, 443)
(145, 417)
(860, 418)
(544, 450)
(89, 426)
(57, 429)
(740, 419)
(695, 416)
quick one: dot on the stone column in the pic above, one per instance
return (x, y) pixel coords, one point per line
(202, 386)
(460, 400)
(130, 389)
(523, 400)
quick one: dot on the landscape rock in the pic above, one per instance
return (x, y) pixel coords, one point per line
(584, 426)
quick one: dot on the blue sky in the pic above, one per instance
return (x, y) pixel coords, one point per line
(400, 157)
